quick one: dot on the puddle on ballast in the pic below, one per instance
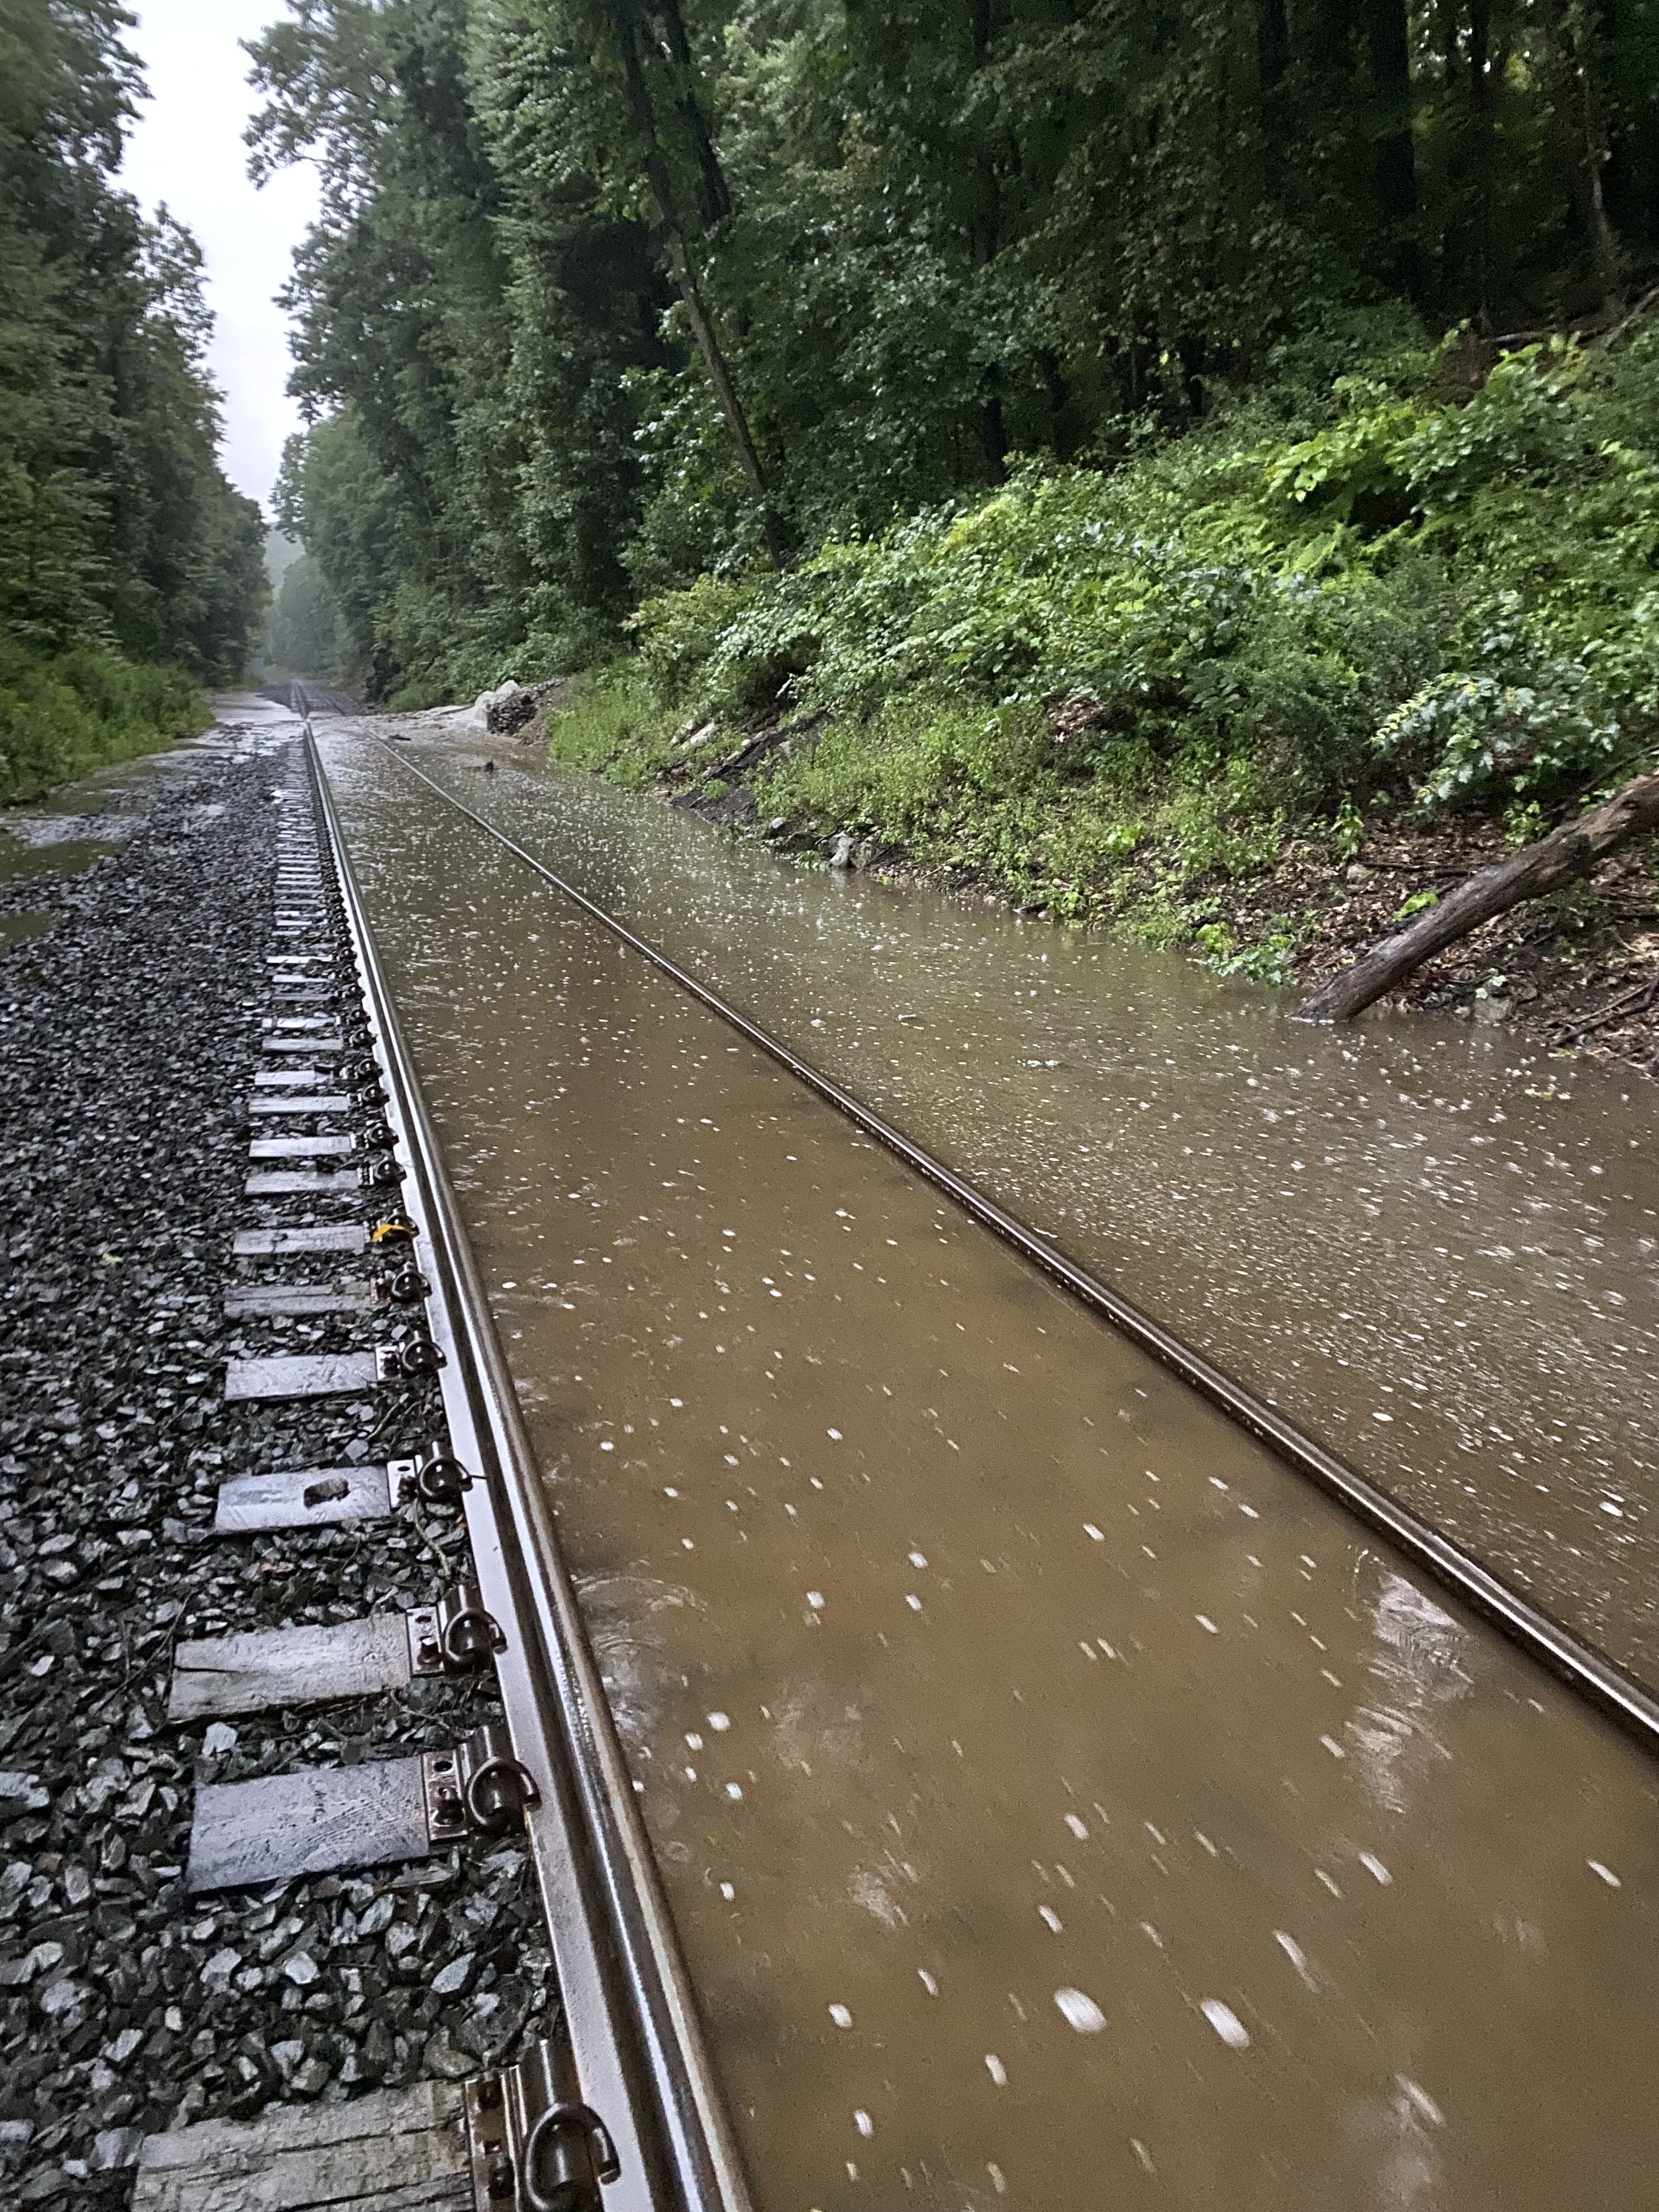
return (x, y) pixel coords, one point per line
(52, 857)
(19, 928)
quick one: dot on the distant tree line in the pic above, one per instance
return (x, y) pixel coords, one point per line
(122, 545)
(611, 293)
(302, 634)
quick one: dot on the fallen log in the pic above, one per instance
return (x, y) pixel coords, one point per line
(1568, 853)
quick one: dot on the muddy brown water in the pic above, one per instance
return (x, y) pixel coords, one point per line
(1061, 1804)
(1438, 1253)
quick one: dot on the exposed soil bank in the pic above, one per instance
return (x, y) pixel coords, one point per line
(1576, 971)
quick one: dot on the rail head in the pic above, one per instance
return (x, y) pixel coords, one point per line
(636, 2041)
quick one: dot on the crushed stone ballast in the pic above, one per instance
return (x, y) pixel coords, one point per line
(350, 1905)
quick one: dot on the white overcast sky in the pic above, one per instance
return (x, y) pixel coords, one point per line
(187, 149)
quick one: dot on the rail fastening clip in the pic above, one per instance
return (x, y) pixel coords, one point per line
(438, 1480)
(534, 2148)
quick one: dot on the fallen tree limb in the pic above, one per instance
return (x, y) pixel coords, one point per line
(1647, 300)
(757, 748)
(1568, 853)
(1628, 1002)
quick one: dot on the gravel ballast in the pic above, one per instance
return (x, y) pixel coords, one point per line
(130, 1036)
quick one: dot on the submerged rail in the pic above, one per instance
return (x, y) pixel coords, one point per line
(635, 2040)
(1607, 1686)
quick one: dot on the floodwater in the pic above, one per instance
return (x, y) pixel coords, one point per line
(1438, 1256)
(248, 711)
(63, 856)
(1060, 1804)
(58, 837)
(65, 832)
(19, 928)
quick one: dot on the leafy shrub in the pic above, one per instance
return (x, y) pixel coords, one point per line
(77, 710)
(1484, 733)
(690, 643)
(1461, 582)
(1114, 692)
(1518, 722)
(612, 726)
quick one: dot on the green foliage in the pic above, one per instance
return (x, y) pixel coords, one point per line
(468, 313)
(612, 726)
(1483, 734)
(1032, 411)
(119, 536)
(1270, 959)
(1348, 828)
(987, 794)
(1104, 691)
(919, 242)
(1419, 902)
(1155, 622)
(62, 715)
(1463, 583)
(921, 774)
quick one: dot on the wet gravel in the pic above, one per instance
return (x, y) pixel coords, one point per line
(129, 1037)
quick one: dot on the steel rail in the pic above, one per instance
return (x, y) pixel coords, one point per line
(636, 2038)
(1616, 1694)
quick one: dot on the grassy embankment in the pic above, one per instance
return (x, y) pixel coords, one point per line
(63, 716)
(1423, 600)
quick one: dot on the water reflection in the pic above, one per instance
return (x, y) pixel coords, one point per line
(1060, 1802)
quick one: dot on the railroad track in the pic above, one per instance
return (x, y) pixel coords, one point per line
(305, 698)
(350, 1227)
(1598, 1680)
(617, 2105)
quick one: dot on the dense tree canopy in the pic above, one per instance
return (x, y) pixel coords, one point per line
(614, 292)
(116, 525)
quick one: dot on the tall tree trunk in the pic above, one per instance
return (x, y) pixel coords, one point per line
(713, 194)
(1483, 114)
(1326, 115)
(1060, 400)
(1273, 44)
(993, 438)
(985, 240)
(1582, 134)
(703, 330)
(1333, 58)
(1394, 161)
(625, 21)
(1272, 61)
(1620, 177)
